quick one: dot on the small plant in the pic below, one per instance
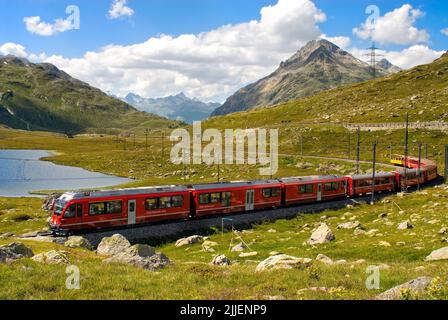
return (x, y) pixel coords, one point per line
(21, 217)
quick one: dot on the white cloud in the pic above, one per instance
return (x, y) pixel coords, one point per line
(210, 65)
(342, 42)
(36, 26)
(444, 31)
(119, 9)
(14, 49)
(406, 58)
(395, 27)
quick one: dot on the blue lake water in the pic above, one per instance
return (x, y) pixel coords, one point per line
(21, 172)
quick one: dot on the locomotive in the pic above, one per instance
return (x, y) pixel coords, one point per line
(90, 210)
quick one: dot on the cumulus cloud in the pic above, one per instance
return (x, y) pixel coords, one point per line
(210, 65)
(14, 49)
(444, 31)
(120, 9)
(41, 28)
(406, 58)
(395, 27)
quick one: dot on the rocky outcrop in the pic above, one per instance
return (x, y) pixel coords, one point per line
(52, 257)
(436, 255)
(405, 225)
(321, 235)
(189, 240)
(240, 247)
(221, 260)
(78, 242)
(416, 286)
(14, 251)
(282, 261)
(110, 246)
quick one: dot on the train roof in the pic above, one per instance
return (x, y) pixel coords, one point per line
(234, 184)
(370, 175)
(309, 178)
(124, 192)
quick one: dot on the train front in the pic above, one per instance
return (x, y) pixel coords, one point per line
(59, 209)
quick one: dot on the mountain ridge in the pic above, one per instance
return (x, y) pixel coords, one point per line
(320, 65)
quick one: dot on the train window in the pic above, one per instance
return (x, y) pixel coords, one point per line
(114, 207)
(204, 198)
(70, 212)
(178, 201)
(152, 204)
(267, 193)
(328, 186)
(79, 210)
(307, 188)
(275, 192)
(226, 199)
(165, 202)
(215, 198)
(335, 186)
(97, 208)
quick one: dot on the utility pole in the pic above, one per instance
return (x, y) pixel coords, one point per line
(373, 55)
(419, 165)
(349, 145)
(358, 149)
(446, 163)
(146, 139)
(374, 174)
(163, 144)
(406, 155)
(426, 151)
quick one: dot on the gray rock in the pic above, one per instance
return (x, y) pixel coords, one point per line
(324, 259)
(188, 241)
(321, 235)
(52, 257)
(78, 242)
(416, 286)
(151, 263)
(140, 250)
(282, 261)
(436, 255)
(350, 225)
(405, 225)
(248, 254)
(239, 247)
(221, 260)
(110, 246)
(14, 251)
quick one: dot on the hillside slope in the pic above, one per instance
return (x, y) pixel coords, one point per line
(42, 97)
(422, 91)
(320, 65)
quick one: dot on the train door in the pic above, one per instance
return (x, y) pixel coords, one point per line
(319, 192)
(132, 212)
(250, 200)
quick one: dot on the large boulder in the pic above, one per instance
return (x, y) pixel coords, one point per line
(189, 240)
(14, 251)
(52, 257)
(416, 286)
(324, 259)
(440, 254)
(221, 260)
(110, 246)
(78, 242)
(321, 235)
(240, 247)
(140, 250)
(282, 261)
(151, 263)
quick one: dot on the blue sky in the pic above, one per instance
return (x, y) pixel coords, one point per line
(152, 18)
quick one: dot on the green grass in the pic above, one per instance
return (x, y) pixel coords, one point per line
(192, 277)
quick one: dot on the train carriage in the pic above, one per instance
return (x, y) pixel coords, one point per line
(224, 198)
(313, 189)
(102, 209)
(362, 184)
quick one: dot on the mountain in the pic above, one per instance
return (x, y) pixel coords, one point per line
(318, 66)
(177, 107)
(421, 91)
(387, 66)
(42, 97)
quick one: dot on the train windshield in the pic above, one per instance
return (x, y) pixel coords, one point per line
(59, 206)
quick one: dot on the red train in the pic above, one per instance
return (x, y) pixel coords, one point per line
(76, 211)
